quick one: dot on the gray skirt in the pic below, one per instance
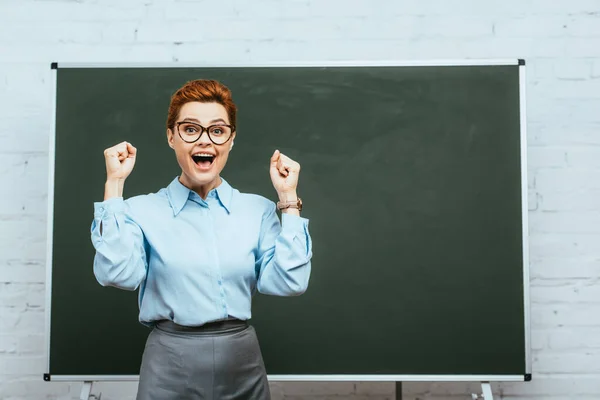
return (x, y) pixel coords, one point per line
(181, 363)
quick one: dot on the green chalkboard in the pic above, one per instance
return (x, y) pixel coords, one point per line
(411, 179)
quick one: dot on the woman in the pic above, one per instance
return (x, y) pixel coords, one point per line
(198, 250)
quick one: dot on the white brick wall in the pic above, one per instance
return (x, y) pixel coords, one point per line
(559, 39)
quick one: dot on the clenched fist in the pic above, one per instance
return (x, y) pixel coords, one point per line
(120, 160)
(284, 174)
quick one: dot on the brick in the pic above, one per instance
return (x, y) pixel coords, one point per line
(190, 12)
(576, 84)
(596, 69)
(564, 315)
(268, 10)
(358, 8)
(561, 386)
(22, 365)
(462, 27)
(566, 180)
(355, 28)
(32, 387)
(119, 32)
(546, 157)
(23, 238)
(574, 338)
(52, 32)
(541, 68)
(22, 295)
(38, 120)
(559, 267)
(564, 222)
(574, 134)
(564, 245)
(212, 29)
(580, 292)
(22, 271)
(573, 69)
(77, 52)
(8, 344)
(72, 11)
(19, 321)
(27, 176)
(21, 344)
(581, 200)
(533, 26)
(584, 157)
(539, 339)
(462, 8)
(533, 200)
(585, 25)
(31, 344)
(571, 7)
(583, 47)
(573, 362)
(561, 110)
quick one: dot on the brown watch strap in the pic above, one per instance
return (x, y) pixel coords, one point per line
(290, 204)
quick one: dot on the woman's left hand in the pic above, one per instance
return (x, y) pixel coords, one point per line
(284, 175)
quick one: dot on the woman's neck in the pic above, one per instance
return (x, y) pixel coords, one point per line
(201, 190)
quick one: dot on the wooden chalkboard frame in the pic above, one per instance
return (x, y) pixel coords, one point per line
(441, 378)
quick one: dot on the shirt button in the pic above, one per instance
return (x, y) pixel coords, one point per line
(219, 281)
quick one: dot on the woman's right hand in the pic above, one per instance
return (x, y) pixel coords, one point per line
(120, 160)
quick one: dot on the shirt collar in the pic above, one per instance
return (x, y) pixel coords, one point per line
(179, 194)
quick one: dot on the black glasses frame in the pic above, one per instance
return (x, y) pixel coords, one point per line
(203, 129)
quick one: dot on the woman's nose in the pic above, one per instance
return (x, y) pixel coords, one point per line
(204, 139)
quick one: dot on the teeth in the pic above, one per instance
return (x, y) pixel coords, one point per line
(203, 155)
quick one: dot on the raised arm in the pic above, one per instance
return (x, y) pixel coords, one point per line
(120, 258)
(283, 264)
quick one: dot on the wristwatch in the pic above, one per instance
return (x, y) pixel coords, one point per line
(290, 204)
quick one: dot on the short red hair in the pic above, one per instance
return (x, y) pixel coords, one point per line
(203, 91)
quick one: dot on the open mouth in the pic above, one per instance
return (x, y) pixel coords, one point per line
(204, 161)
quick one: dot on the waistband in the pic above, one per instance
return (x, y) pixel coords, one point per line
(210, 328)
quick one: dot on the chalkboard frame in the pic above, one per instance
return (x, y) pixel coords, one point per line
(387, 63)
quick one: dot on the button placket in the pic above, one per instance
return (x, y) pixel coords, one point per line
(218, 274)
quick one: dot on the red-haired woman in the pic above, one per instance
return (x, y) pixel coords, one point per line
(198, 250)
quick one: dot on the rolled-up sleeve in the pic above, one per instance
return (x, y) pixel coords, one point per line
(284, 257)
(120, 258)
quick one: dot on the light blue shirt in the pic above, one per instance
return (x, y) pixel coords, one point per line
(196, 260)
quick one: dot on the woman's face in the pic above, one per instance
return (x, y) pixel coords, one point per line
(201, 162)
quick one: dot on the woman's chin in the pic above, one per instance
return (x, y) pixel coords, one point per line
(202, 177)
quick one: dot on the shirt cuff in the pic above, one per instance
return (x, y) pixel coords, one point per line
(110, 206)
(294, 222)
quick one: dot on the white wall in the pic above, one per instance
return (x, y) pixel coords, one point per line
(559, 39)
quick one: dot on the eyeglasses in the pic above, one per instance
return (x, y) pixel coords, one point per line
(190, 132)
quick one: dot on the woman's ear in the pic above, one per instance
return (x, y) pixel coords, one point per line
(170, 138)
